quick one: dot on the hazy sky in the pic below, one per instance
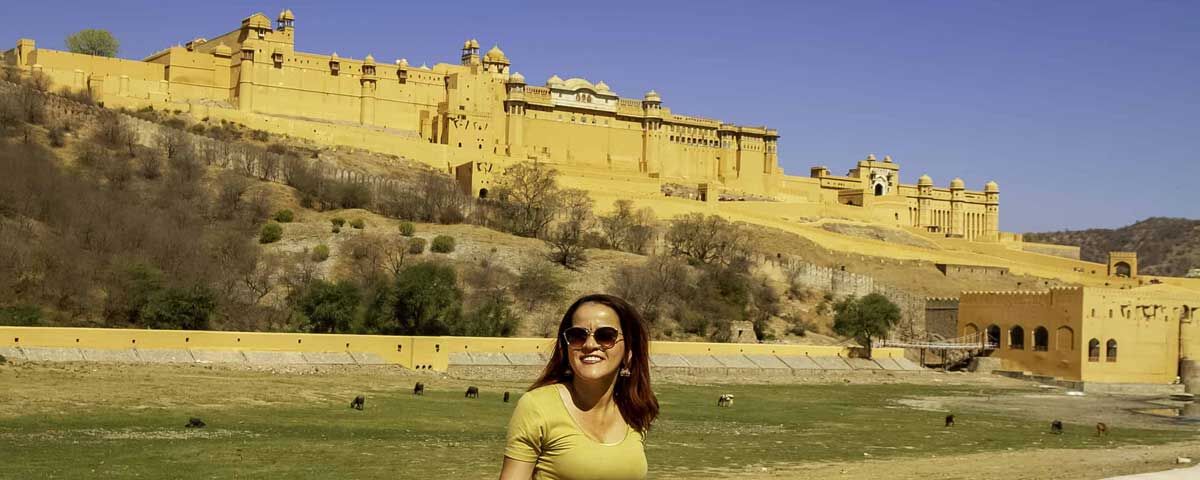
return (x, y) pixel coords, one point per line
(1084, 112)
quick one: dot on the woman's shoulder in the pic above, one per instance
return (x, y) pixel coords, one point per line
(543, 394)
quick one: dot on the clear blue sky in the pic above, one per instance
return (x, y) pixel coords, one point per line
(1086, 113)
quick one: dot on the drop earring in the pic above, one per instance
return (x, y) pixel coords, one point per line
(625, 372)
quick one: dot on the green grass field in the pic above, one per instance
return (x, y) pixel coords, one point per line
(84, 421)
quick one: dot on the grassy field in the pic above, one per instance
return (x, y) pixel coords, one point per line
(89, 421)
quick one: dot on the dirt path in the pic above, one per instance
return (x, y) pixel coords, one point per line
(1015, 465)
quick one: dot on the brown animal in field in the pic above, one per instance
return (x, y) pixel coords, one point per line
(358, 402)
(725, 400)
(195, 422)
(1101, 429)
(472, 392)
(1056, 427)
(419, 389)
(505, 397)
(949, 420)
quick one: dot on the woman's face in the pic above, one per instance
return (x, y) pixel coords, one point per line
(590, 361)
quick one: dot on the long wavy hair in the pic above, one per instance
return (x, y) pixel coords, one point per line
(633, 395)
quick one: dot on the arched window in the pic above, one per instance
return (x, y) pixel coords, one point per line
(1122, 269)
(1093, 350)
(993, 336)
(483, 193)
(1041, 339)
(878, 189)
(1016, 338)
(1111, 351)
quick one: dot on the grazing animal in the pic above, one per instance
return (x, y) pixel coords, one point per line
(419, 389)
(949, 420)
(1056, 427)
(195, 422)
(472, 392)
(505, 397)
(1101, 429)
(358, 402)
(725, 400)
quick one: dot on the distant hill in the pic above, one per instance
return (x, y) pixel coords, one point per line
(1165, 246)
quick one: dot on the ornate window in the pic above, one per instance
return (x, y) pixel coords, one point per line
(1110, 351)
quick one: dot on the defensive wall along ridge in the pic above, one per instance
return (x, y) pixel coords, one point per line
(54, 344)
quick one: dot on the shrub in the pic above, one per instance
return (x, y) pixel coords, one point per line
(57, 137)
(260, 135)
(416, 245)
(21, 316)
(271, 233)
(428, 301)
(539, 282)
(442, 244)
(493, 318)
(358, 224)
(407, 229)
(328, 307)
(177, 308)
(338, 222)
(336, 229)
(284, 216)
(320, 253)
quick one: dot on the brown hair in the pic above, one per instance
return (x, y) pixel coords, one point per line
(633, 396)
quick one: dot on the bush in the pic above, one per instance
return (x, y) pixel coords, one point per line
(21, 316)
(428, 301)
(493, 318)
(539, 282)
(284, 216)
(328, 307)
(181, 309)
(416, 245)
(260, 135)
(358, 224)
(442, 244)
(338, 222)
(270, 233)
(336, 229)
(57, 137)
(320, 253)
(407, 229)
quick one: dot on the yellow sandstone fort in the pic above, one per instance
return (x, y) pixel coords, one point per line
(477, 116)
(473, 118)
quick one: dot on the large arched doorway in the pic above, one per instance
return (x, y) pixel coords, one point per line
(1016, 338)
(993, 336)
(878, 189)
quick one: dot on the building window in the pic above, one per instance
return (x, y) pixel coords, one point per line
(1016, 338)
(1093, 350)
(1041, 339)
(993, 336)
(1110, 354)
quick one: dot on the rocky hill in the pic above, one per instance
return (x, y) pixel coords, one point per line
(1165, 246)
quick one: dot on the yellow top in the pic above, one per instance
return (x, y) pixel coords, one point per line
(543, 432)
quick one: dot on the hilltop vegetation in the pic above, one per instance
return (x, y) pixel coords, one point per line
(1165, 246)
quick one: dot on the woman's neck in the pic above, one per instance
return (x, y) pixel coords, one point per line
(589, 395)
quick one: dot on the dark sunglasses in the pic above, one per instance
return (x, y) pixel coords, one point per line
(606, 337)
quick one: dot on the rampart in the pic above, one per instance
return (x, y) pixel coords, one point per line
(418, 353)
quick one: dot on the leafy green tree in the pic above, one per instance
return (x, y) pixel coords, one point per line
(93, 42)
(328, 307)
(427, 301)
(179, 308)
(866, 318)
(492, 318)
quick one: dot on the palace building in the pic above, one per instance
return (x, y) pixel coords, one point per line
(473, 117)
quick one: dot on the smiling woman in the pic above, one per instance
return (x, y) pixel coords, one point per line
(588, 413)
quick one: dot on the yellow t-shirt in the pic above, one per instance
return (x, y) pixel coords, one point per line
(543, 432)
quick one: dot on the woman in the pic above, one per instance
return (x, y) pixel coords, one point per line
(587, 415)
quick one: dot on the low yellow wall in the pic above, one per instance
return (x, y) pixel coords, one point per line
(410, 352)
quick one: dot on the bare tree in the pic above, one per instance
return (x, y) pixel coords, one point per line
(566, 236)
(528, 197)
(710, 240)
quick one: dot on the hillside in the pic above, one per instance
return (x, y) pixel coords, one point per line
(1165, 246)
